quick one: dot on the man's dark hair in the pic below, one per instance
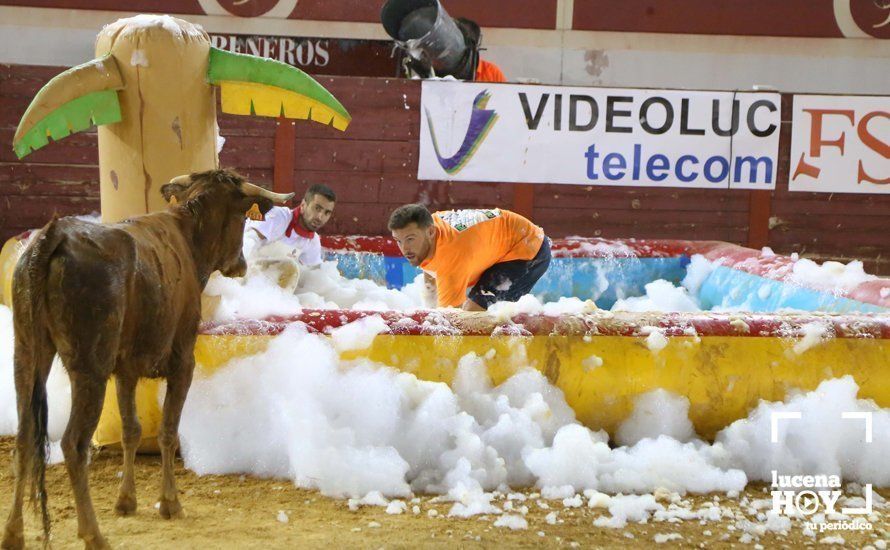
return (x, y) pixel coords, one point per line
(320, 189)
(410, 213)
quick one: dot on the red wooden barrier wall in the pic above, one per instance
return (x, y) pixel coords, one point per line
(373, 168)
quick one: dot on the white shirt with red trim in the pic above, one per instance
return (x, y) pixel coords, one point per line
(281, 224)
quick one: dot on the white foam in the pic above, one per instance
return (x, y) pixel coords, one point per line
(624, 508)
(697, 272)
(220, 141)
(831, 276)
(397, 507)
(58, 388)
(8, 413)
(814, 333)
(821, 441)
(362, 430)
(512, 522)
(606, 249)
(656, 340)
(529, 304)
(667, 537)
(351, 428)
(656, 413)
(359, 334)
(259, 295)
(591, 363)
(660, 295)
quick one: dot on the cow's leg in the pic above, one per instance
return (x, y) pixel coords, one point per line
(132, 435)
(178, 381)
(87, 395)
(13, 535)
(26, 371)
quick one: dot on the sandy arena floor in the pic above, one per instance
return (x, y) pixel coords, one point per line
(243, 512)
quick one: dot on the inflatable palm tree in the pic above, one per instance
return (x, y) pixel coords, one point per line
(151, 90)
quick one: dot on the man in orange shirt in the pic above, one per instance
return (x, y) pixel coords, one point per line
(498, 253)
(487, 71)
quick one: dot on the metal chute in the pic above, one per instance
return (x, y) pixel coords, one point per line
(436, 44)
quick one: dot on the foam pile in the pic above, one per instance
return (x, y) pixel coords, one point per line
(352, 428)
(358, 429)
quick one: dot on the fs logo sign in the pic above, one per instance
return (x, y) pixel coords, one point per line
(805, 495)
(840, 144)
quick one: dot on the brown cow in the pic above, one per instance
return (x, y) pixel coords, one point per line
(121, 299)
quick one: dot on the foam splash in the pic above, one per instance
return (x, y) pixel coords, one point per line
(830, 276)
(658, 412)
(259, 295)
(660, 295)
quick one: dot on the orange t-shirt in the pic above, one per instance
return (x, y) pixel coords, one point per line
(470, 241)
(487, 71)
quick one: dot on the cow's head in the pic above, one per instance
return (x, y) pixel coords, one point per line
(219, 201)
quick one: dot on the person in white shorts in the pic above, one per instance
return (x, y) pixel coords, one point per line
(295, 227)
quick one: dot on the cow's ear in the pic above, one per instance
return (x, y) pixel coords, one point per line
(259, 204)
(253, 213)
(171, 192)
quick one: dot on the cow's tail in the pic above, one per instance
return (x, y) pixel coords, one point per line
(40, 454)
(33, 272)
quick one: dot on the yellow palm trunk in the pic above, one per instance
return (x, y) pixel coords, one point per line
(168, 123)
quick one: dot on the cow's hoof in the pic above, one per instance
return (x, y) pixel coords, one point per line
(12, 541)
(171, 509)
(126, 506)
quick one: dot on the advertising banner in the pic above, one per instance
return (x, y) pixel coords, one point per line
(840, 144)
(598, 136)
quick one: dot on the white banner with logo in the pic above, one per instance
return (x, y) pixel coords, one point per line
(598, 136)
(840, 144)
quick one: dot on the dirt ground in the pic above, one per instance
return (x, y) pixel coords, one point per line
(244, 512)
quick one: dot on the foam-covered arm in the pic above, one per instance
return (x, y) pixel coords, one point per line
(252, 241)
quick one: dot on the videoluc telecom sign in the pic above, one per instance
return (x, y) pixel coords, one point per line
(598, 136)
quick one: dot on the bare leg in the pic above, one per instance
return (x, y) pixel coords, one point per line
(132, 434)
(87, 395)
(177, 388)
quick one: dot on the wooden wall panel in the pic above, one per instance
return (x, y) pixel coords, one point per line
(373, 168)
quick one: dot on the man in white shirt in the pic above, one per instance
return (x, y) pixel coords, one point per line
(295, 227)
